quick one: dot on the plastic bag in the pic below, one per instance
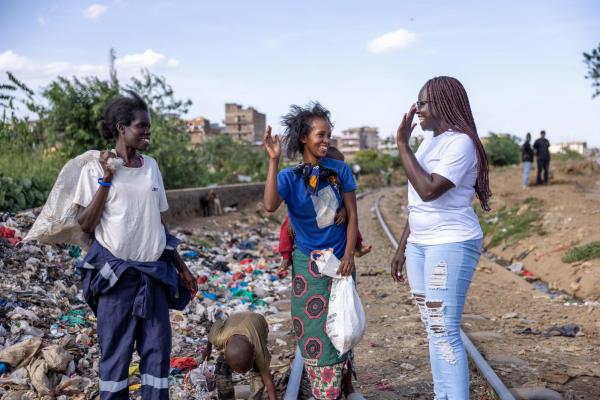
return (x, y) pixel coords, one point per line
(327, 262)
(346, 321)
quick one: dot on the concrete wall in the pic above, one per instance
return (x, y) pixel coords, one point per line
(185, 203)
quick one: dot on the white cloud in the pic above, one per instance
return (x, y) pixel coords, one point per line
(128, 65)
(10, 61)
(392, 41)
(42, 20)
(148, 58)
(94, 11)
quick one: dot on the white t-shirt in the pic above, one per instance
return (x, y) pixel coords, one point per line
(449, 218)
(130, 225)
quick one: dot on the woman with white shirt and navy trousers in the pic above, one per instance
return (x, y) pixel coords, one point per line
(442, 240)
(132, 274)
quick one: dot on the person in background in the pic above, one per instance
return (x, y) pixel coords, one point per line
(527, 158)
(542, 154)
(242, 341)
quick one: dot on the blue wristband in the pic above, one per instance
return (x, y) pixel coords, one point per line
(105, 184)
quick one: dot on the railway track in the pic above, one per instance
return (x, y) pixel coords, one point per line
(479, 361)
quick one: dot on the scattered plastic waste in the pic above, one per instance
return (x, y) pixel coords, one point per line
(48, 341)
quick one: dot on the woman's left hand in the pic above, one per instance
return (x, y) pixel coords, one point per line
(406, 126)
(346, 266)
(189, 280)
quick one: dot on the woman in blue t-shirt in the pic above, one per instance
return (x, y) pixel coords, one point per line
(314, 191)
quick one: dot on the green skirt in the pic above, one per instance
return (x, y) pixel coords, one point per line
(310, 300)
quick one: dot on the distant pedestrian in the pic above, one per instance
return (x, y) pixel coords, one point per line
(527, 158)
(542, 155)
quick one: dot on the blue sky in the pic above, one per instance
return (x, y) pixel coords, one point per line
(520, 61)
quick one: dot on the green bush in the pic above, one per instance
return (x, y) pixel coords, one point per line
(502, 149)
(568, 154)
(509, 225)
(583, 253)
(372, 161)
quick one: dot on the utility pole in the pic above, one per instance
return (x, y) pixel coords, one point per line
(112, 56)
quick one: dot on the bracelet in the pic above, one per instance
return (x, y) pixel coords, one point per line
(105, 184)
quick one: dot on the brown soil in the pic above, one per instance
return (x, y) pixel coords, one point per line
(501, 303)
(571, 218)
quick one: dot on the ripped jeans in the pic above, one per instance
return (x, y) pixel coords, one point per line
(439, 278)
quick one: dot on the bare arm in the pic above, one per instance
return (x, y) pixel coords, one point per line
(399, 258)
(428, 186)
(89, 217)
(268, 381)
(347, 263)
(271, 199)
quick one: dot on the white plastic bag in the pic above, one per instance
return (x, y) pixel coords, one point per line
(346, 321)
(327, 262)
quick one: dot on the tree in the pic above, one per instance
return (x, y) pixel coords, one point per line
(502, 149)
(592, 60)
(75, 108)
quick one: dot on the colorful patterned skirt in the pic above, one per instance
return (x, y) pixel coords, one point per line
(310, 298)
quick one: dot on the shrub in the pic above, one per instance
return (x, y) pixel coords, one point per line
(502, 149)
(583, 253)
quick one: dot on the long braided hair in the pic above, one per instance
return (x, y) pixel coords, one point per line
(449, 102)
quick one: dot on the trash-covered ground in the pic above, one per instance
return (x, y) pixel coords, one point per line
(47, 333)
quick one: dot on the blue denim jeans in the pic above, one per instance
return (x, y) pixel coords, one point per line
(439, 278)
(526, 171)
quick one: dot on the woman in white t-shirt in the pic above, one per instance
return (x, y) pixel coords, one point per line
(442, 240)
(132, 273)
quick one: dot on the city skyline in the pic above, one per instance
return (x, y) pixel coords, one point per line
(521, 62)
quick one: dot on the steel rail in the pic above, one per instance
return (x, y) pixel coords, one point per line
(480, 362)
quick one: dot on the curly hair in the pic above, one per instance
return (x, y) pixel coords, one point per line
(120, 110)
(297, 125)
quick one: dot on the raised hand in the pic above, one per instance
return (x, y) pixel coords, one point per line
(406, 126)
(272, 144)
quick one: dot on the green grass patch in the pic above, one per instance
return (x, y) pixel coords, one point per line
(583, 253)
(509, 225)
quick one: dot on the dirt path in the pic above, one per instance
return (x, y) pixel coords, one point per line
(392, 360)
(500, 303)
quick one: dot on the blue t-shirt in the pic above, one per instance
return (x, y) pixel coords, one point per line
(312, 216)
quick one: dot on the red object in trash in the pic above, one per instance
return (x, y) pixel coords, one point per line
(246, 261)
(249, 269)
(183, 363)
(238, 276)
(9, 235)
(282, 274)
(202, 279)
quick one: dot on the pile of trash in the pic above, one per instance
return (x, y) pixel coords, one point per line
(48, 343)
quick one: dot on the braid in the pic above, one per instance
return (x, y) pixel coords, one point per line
(450, 103)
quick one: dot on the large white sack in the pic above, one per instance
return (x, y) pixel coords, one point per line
(57, 222)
